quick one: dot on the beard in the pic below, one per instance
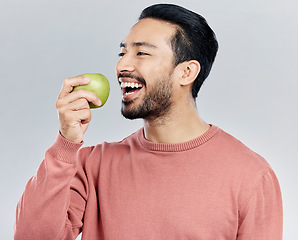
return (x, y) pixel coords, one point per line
(155, 104)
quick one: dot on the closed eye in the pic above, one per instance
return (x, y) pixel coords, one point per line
(142, 54)
(138, 54)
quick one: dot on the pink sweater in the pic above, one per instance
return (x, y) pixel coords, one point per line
(210, 188)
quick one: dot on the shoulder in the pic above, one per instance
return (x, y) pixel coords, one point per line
(95, 153)
(91, 159)
(131, 141)
(238, 154)
(246, 168)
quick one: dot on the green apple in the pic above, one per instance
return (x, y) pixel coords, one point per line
(99, 85)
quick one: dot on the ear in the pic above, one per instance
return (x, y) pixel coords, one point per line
(190, 70)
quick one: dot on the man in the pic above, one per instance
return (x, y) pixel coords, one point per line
(176, 178)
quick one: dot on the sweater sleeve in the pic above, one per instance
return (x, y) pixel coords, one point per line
(262, 216)
(51, 207)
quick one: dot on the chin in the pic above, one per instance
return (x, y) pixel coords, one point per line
(127, 110)
(132, 112)
(129, 115)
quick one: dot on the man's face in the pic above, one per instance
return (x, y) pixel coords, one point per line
(145, 69)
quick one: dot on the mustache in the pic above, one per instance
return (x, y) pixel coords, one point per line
(132, 76)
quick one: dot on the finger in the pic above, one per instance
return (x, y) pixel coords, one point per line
(67, 113)
(78, 105)
(69, 118)
(85, 116)
(81, 93)
(78, 94)
(71, 82)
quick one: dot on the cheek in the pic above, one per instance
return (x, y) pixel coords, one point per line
(155, 69)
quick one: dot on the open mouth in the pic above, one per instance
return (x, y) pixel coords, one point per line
(130, 89)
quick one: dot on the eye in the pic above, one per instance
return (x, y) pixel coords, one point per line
(142, 54)
(121, 54)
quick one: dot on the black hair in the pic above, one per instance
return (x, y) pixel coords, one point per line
(193, 40)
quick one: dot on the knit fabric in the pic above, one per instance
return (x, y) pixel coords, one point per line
(212, 187)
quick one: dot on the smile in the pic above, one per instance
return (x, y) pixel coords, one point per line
(130, 89)
(130, 85)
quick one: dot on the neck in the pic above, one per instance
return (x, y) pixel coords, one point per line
(180, 126)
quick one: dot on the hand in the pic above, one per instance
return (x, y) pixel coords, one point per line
(73, 108)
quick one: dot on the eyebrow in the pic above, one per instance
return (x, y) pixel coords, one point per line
(138, 44)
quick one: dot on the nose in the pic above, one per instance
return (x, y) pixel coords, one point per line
(125, 64)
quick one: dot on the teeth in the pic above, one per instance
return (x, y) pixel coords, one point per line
(131, 84)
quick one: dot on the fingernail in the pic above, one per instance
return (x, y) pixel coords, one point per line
(99, 102)
(86, 79)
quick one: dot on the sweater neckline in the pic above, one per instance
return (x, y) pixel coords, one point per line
(177, 147)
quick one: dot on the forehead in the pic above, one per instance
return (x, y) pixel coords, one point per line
(152, 31)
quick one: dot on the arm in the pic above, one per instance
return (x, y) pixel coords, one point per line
(51, 207)
(44, 210)
(262, 217)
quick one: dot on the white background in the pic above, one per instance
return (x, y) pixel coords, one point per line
(251, 92)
